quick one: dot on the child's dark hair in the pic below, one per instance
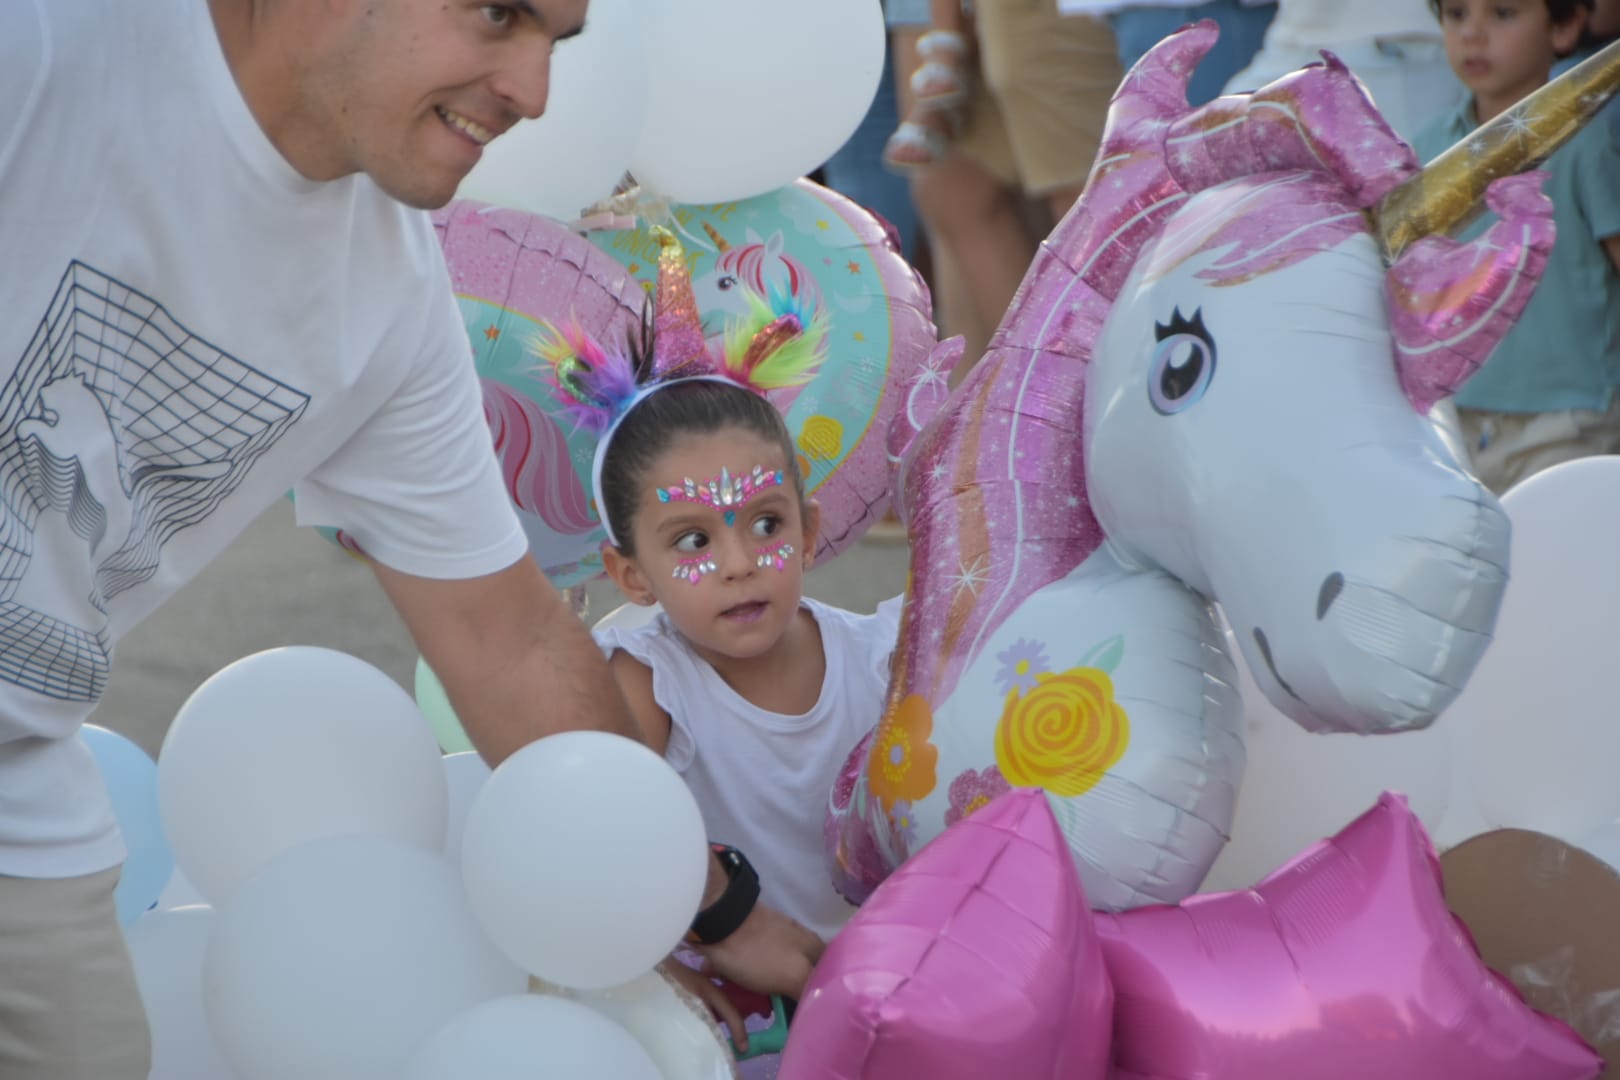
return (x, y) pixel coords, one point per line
(687, 407)
(1560, 10)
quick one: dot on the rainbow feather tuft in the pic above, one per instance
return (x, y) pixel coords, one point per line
(779, 343)
(590, 381)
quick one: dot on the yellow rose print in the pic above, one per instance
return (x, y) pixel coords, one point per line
(821, 437)
(1063, 734)
(902, 765)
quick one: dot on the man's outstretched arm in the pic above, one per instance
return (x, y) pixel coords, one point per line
(514, 660)
(518, 665)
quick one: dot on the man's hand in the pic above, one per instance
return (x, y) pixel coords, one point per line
(769, 954)
(706, 991)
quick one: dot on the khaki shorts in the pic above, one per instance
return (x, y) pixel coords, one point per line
(1505, 448)
(69, 1006)
(1037, 111)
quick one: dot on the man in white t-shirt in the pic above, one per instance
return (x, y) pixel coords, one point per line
(217, 283)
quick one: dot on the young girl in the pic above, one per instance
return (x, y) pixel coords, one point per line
(753, 692)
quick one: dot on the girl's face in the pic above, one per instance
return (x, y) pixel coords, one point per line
(720, 542)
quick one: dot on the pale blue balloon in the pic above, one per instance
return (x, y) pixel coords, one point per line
(131, 779)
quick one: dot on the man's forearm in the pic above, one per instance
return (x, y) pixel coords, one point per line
(516, 663)
(560, 682)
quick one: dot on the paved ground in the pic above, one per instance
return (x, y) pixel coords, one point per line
(281, 585)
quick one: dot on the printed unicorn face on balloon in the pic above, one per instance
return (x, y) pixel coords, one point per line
(1256, 416)
(760, 266)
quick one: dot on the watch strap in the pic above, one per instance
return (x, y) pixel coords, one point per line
(721, 919)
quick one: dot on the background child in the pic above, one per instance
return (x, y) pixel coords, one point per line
(1547, 394)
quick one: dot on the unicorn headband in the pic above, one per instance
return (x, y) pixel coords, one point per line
(776, 345)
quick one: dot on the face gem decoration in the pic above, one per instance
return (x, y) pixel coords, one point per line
(725, 492)
(774, 556)
(694, 569)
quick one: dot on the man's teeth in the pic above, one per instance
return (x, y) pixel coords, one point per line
(473, 130)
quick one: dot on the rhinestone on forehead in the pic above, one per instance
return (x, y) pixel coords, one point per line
(724, 491)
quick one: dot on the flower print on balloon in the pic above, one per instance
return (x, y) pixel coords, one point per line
(1063, 734)
(903, 760)
(973, 790)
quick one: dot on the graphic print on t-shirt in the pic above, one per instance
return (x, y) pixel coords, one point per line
(118, 429)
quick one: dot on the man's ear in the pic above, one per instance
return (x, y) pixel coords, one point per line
(812, 531)
(627, 575)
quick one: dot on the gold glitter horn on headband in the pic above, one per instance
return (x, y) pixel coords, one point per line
(1451, 188)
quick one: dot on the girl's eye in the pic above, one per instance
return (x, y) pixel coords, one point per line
(497, 14)
(691, 542)
(767, 525)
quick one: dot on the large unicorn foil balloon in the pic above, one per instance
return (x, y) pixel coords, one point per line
(1214, 385)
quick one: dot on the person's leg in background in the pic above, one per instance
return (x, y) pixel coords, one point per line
(1052, 77)
(976, 225)
(937, 79)
(971, 217)
(69, 1005)
(856, 171)
(1243, 28)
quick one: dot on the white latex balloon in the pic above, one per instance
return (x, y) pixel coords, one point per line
(674, 1028)
(1300, 787)
(464, 775)
(748, 95)
(338, 958)
(579, 150)
(1463, 819)
(584, 858)
(289, 745)
(167, 948)
(525, 1037)
(1538, 717)
(179, 892)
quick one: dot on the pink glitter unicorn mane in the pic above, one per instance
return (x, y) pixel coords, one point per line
(994, 489)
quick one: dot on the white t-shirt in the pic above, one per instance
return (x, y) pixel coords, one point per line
(763, 779)
(188, 328)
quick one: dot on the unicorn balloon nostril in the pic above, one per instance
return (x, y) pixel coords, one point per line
(1213, 396)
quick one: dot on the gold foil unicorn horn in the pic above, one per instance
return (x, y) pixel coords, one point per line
(1451, 188)
(678, 342)
(721, 243)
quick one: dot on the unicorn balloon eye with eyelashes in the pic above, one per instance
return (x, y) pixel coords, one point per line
(1183, 363)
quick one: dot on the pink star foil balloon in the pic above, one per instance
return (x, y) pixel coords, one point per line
(976, 959)
(1342, 965)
